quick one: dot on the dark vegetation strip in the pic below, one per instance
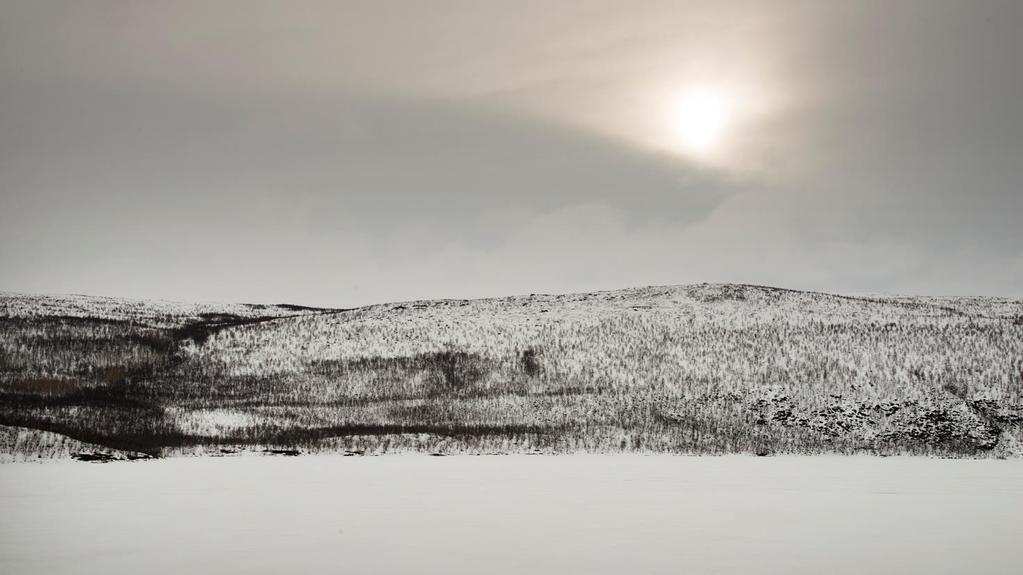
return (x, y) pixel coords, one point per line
(153, 440)
(148, 441)
(98, 397)
(200, 331)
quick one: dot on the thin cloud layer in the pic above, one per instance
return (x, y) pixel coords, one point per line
(344, 153)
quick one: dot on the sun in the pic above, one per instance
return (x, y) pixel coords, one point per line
(700, 118)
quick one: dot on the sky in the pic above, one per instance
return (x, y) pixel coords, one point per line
(345, 153)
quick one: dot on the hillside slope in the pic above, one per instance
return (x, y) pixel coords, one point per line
(687, 369)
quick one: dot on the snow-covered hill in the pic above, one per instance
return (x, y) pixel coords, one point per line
(697, 369)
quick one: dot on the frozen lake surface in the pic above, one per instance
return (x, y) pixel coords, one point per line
(513, 514)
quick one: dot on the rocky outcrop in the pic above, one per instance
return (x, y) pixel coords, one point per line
(977, 425)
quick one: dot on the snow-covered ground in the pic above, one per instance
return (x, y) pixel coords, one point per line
(516, 514)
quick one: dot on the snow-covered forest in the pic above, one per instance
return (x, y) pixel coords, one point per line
(702, 369)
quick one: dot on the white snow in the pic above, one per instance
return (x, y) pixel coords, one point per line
(514, 514)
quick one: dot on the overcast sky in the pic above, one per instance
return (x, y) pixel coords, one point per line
(343, 153)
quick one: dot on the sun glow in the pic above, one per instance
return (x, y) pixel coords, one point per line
(700, 120)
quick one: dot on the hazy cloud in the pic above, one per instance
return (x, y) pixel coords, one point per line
(340, 153)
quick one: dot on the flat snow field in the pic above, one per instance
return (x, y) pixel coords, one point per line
(513, 514)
